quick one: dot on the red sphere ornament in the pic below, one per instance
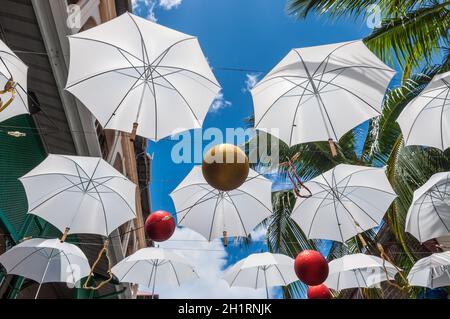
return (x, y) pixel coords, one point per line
(319, 292)
(311, 267)
(160, 225)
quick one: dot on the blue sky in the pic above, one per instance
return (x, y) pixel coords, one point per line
(253, 35)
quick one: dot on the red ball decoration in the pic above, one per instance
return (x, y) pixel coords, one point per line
(311, 267)
(160, 226)
(319, 292)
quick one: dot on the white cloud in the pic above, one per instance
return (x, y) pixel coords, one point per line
(250, 81)
(220, 103)
(169, 4)
(146, 8)
(209, 259)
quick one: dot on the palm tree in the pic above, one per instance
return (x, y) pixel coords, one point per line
(412, 34)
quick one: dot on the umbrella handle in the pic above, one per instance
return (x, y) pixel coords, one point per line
(104, 250)
(133, 132)
(296, 181)
(332, 147)
(225, 238)
(64, 236)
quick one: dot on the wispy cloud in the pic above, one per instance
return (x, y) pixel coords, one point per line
(220, 103)
(146, 8)
(250, 81)
(169, 4)
(209, 260)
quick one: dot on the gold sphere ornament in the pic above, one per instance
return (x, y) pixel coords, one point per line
(225, 167)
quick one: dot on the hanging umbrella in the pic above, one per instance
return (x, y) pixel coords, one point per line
(429, 214)
(432, 272)
(141, 76)
(216, 214)
(262, 270)
(320, 93)
(80, 194)
(13, 84)
(358, 271)
(46, 260)
(346, 201)
(149, 265)
(426, 119)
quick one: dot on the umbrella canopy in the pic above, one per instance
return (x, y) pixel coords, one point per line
(345, 201)
(84, 194)
(262, 270)
(358, 271)
(46, 260)
(426, 119)
(429, 214)
(141, 72)
(150, 265)
(320, 93)
(211, 212)
(431, 272)
(13, 84)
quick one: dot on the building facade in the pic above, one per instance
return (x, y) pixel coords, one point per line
(37, 30)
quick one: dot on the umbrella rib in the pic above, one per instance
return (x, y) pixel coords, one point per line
(118, 194)
(275, 102)
(319, 98)
(212, 221)
(422, 110)
(315, 214)
(175, 272)
(121, 101)
(438, 214)
(70, 264)
(357, 66)
(164, 53)
(93, 173)
(129, 269)
(335, 209)
(181, 95)
(331, 53)
(26, 257)
(442, 118)
(239, 215)
(195, 184)
(108, 44)
(242, 191)
(231, 284)
(104, 210)
(196, 203)
(282, 277)
(76, 165)
(144, 47)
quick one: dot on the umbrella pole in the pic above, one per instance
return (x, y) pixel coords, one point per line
(154, 281)
(133, 132)
(64, 236)
(265, 281)
(43, 276)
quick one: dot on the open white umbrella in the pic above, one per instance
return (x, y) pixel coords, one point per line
(13, 84)
(215, 214)
(431, 272)
(320, 93)
(429, 214)
(358, 271)
(426, 119)
(149, 265)
(262, 270)
(46, 260)
(80, 194)
(139, 72)
(346, 201)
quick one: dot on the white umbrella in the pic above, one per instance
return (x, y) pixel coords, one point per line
(358, 271)
(13, 84)
(131, 71)
(346, 201)
(431, 272)
(46, 260)
(216, 214)
(426, 119)
(149, 265)
(429, 214)
(320, 93)
(80, 194)
(262, 270)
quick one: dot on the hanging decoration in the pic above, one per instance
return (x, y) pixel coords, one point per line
(319, 292)
(225, 167)
(160, 226)
(311, 267)
(295, 179)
